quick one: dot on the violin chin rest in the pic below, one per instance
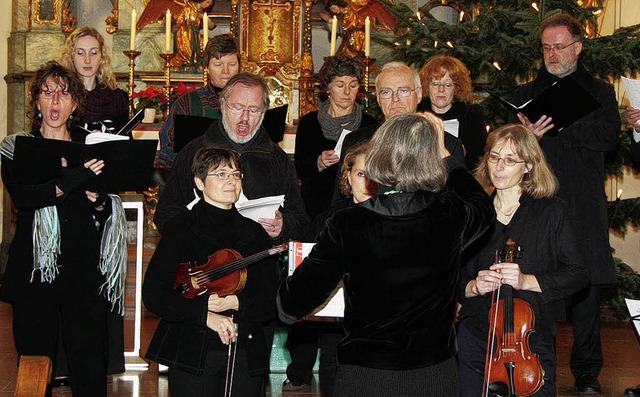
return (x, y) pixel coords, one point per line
(499, 388)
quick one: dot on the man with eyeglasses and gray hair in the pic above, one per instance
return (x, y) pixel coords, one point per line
(398, 91)
(576, 155)
(267, 169)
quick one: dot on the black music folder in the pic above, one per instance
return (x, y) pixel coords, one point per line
(566, 101)
(187, 128)
(128, 163)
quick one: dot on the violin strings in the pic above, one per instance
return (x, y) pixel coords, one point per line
(220, 272)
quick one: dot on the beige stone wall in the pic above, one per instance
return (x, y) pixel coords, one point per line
(5, 30)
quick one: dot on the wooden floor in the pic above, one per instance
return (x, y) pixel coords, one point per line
(620, 347)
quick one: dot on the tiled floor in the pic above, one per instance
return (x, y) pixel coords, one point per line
(620, 347)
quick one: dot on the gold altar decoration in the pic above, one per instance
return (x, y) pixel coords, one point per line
(167, 83)
(69, 22)
(306, 83)
(112, 20)
(46, 11)
(273, 47)
(353, 17)
(186, 27)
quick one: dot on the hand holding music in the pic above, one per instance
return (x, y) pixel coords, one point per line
(217, 304)
(540, 127)
(632, 115)
(273, 226)
(223, 326)
(327, 159)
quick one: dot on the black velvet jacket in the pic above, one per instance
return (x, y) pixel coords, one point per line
(544, 230)
(267, 169)
(182, 338)
(398, 256)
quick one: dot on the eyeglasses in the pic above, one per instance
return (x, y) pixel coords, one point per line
(556, 47)
(62, 95)
(237, 109)
(224, 176)
(437, 84)
(508, 161)
(401, 92)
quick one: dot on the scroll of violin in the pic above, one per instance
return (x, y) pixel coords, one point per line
(511, 369)
(225, 273)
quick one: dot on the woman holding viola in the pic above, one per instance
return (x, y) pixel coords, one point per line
(193, 335)
(549, 265)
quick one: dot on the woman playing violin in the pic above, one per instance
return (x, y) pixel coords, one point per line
(549, 266)
(193, 335)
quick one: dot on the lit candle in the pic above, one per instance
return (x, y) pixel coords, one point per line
(132, 39)
(367, 37)
(167, 34)
(205, 30)
(334, 32)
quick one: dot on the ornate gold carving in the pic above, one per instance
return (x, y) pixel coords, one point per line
(47, 11)
(69, 22)
(112, 21)
(272, 48)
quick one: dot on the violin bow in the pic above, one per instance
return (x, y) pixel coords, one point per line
(231, 363)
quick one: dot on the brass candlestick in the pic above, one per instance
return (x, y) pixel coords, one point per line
(205, 72)
(367, 70)
(167, 81)
(132, 54)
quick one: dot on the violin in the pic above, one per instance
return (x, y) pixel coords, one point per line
(511, 369)
(225, 273)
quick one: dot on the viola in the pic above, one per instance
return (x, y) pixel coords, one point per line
(511, 369)
(225, 273)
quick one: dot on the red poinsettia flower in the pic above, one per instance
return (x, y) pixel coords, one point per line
(182, 89)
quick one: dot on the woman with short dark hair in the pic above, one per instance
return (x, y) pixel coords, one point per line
(53, 275)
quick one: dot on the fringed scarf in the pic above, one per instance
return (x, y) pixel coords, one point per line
(113, 255)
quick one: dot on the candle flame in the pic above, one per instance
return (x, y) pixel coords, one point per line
(496, 65)
(461, 15)
(435, 43)
(450, 44)
(535, 6)
(619, 194)
(418, 14)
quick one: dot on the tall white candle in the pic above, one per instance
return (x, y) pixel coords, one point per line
(132, 39)
(334, 33)
(367, 37)
(167, 34)
(205, 30)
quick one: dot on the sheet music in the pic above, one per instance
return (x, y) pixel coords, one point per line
(632, 87)
(99, 137)
(634, 310)
(338, 149)
(452, 126)
(263, 207)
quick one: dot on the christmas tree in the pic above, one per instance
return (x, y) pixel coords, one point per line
(499, 42)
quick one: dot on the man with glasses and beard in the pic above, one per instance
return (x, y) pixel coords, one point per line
(267, 169)
(576, 155)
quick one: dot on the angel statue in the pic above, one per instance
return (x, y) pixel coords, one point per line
(187, 15)
(354, 15)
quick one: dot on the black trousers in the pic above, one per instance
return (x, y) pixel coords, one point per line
(302, 344)
(212, 382)
(471, 363)
(586, 354)
(82, 322)
(437, 380)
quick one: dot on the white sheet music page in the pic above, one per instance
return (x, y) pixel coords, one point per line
(452, 126)
(634, 310)
(263, 207)
(338, 148)
(632, 87)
